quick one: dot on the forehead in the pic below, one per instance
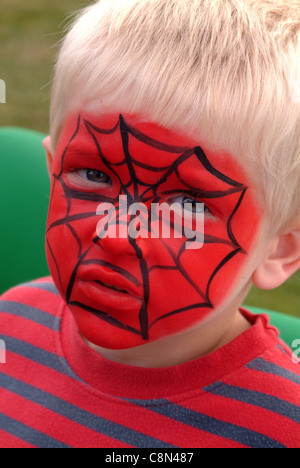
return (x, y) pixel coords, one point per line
(85, 135)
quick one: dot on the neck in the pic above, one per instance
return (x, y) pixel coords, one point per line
(181, 348)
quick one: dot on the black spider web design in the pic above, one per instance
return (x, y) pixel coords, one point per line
(138, 190)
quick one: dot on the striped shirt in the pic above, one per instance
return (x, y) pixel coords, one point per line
(56, 392)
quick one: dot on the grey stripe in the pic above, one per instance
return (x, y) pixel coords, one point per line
(50, 287)
(80, 416)
(212, 425)
(27, 434)
(271, 368)
(38, 355)
(31, 313)
(259, 399)
(282, 350)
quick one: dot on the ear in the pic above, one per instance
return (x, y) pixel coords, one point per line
(282, 260)
(49, 156)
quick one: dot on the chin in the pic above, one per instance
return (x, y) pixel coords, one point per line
(100, 333)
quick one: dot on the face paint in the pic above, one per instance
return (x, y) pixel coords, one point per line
(124, 292)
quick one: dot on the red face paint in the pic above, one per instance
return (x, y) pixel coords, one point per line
(165, 288)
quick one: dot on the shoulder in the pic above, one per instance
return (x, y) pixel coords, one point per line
(277, 358)
(273, 388)
(279, 367)
(36, 301)
(263, 393)
(275, 371)
(34, 286)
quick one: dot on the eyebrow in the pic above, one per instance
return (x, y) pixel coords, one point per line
(82, 151)
(125, 127)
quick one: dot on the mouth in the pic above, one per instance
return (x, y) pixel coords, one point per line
(114, 291)
(109, 280)
(106, 297)
(110, 283)
(110, 286)
(109, 290)
(116, 286)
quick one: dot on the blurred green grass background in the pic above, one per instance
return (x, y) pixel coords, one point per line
(29, 33)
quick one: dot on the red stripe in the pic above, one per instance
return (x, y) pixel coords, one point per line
(22, 329)
(10, 441)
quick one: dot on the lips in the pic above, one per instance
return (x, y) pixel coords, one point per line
(111, 287)
(122, 282)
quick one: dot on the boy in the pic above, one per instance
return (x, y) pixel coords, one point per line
(139, 340)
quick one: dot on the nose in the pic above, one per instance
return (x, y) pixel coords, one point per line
(116, 245)
(117, 238)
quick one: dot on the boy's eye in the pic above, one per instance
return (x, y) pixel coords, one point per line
(194, 206)
(89, 177)
(95, 176)
(191, 205)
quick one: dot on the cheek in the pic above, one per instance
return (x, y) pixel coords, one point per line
(185, 298)
(196, 288)
(190, 285)
(71, 228)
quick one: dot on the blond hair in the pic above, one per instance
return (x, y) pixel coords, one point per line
(225, 72)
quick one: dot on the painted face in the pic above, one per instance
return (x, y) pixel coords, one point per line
(125, 291)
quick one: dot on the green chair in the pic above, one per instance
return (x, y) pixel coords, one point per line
(24, 198)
